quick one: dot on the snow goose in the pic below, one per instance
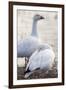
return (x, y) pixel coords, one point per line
(42, 58)
(28, 45)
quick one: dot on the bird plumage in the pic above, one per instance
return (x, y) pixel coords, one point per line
(27, 46)
(42, 59)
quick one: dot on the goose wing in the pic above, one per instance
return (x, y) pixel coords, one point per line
(46, 58)
(32, 60)
(41, 59)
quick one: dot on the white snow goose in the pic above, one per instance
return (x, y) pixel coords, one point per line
(42, 58)
(28, 45)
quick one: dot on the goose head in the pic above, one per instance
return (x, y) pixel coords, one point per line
(27, 75)
(43, 47)
(38, 17)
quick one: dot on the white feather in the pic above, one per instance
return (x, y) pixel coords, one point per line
(27, 46)
(41, 58)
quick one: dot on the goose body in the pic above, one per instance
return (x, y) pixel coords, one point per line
(42, 58)
(28, 45)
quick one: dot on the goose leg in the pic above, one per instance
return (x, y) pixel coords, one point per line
(25, 61)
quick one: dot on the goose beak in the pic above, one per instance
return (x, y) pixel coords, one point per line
(42, 17)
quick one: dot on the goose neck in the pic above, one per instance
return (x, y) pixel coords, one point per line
(34, 28)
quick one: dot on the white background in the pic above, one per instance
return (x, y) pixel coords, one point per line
(4, 45)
